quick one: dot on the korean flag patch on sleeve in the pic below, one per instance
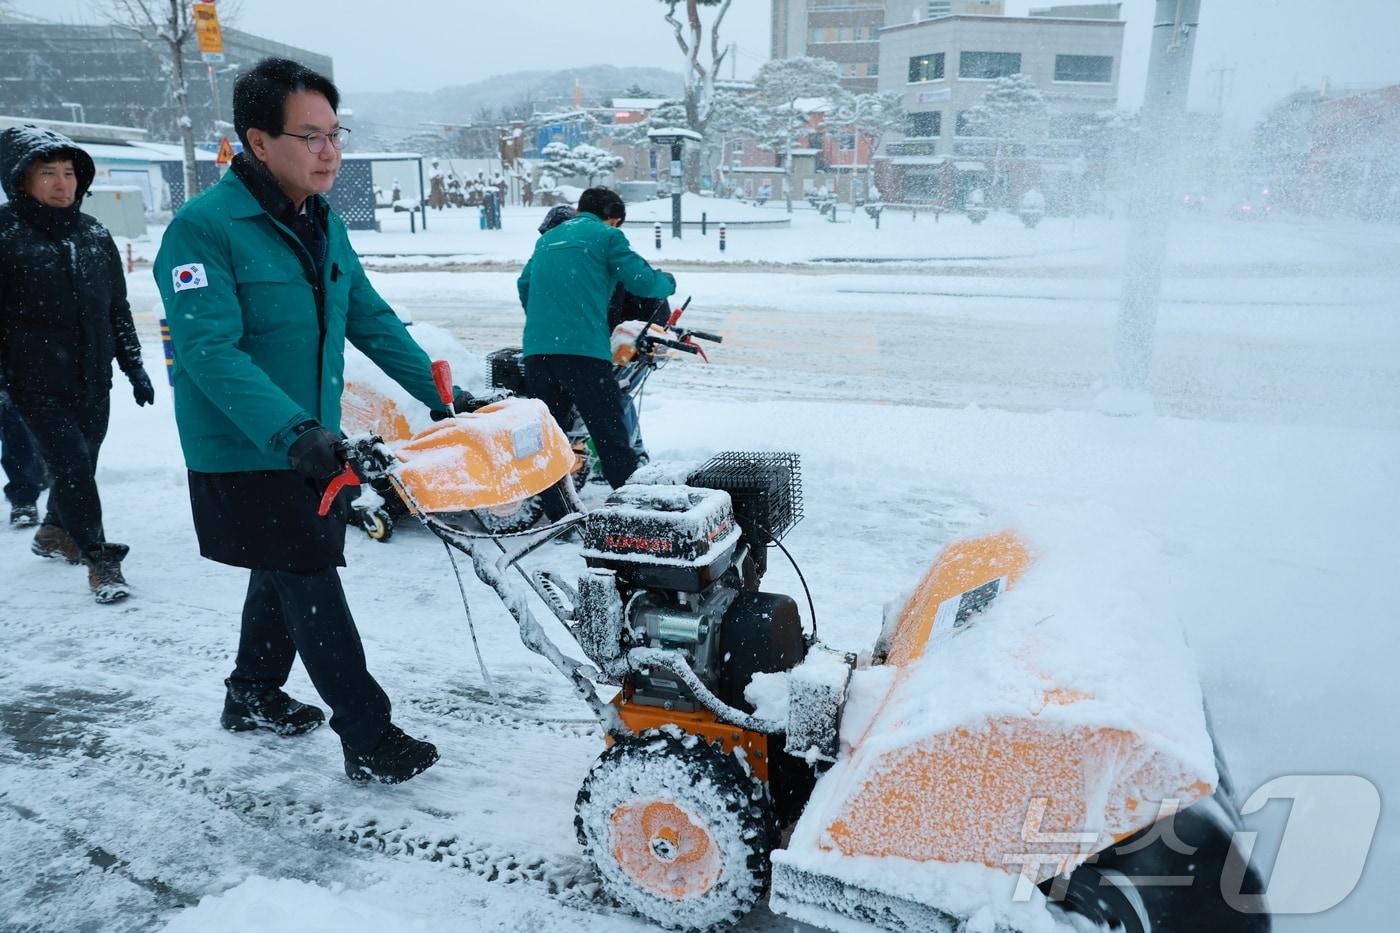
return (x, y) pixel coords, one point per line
(190, 275)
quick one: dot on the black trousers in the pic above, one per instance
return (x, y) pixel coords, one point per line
(562, 381)
(19, 457)
(286, 614)
(69, 435)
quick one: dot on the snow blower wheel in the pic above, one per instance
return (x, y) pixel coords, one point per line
(676, 829)
(378, 524)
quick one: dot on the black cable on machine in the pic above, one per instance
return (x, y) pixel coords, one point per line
(811, 606)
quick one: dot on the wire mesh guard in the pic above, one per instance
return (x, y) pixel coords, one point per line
(505, 369)
(765, 488)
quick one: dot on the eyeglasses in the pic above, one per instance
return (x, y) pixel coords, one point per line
(316, 142)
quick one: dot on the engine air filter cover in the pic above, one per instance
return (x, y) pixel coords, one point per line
(676, 525)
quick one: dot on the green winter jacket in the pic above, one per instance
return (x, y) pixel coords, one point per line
(566, 285)
(251, 361)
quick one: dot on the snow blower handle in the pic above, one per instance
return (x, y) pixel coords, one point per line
(442, 380)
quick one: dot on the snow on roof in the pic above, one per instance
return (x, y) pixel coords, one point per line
(638, 103)
(812, 104)
(680, 131)
(380, 156)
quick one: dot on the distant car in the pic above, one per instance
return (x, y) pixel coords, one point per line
(1253, 207)
(1194, 200)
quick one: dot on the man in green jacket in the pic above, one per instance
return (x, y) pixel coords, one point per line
(262, 289)
(565, 289)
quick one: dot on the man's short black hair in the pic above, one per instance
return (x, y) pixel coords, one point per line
(604, 202)
(260, 94)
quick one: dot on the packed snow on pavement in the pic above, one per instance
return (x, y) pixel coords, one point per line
(927, 401)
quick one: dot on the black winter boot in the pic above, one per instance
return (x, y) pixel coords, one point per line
(104, 563)
(394, 760)
(270, 709)
(24, 516)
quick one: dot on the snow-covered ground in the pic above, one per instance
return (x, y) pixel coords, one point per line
(924, 400)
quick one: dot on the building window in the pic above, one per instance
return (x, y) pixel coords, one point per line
(926, 67)
(962, 127)
(923, 125)
(1087, 69)
(872, 70)
(846, 142)
(984, 66)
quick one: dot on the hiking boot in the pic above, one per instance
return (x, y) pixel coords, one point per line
(394, 760)
(271, 709)
(24, 516)
(53, 541)
(104, 563)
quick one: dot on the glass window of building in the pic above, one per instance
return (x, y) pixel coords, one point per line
(985, 66)
(1087, 69)
(926, 67)
(923, 125)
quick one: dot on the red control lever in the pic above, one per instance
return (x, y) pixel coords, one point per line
(347, 478)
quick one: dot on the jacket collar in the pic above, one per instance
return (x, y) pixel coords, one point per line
(246, 202)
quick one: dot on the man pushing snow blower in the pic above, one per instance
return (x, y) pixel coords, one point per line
(262, 290)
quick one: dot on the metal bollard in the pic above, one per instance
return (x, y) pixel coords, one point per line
(169, 348)
(704, 227)
(413, 221)
(130, 259)
(658, 235)
(723, 230)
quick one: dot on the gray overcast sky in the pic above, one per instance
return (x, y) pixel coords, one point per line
(1272, 45)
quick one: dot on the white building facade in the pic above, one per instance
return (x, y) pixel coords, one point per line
(942, 68)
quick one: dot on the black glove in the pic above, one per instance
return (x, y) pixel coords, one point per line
(462, 401)
(315, 453)
(141, 387)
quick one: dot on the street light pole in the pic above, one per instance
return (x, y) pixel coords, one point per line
(677, 184)
(1159, 151)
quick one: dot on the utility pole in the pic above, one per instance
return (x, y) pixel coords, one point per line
(1159, 153)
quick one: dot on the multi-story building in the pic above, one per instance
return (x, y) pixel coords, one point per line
(847, 31)
(106, 74)
(943, 66)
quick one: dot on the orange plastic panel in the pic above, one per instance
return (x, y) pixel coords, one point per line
(364, 410)
(1007, 789)
(502, 453)
(963, 566)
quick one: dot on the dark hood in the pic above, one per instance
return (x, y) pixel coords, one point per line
(21, 145)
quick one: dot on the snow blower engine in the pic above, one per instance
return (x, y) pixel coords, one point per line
(674, 573)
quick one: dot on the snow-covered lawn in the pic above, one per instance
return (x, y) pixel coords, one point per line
(923, 405)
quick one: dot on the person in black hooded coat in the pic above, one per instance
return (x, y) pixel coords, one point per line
(64, 318)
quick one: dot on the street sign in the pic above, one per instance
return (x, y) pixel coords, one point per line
(206, 27)
(225, 155)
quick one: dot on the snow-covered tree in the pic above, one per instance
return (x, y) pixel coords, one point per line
(781, 84)
(1013, 114)
(732, 117)
(166, 28)
(871, 116)
(583, 160)
(699, 75)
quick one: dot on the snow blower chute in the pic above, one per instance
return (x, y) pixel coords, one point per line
(1016, 750)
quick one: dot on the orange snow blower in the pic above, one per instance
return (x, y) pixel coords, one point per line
(1025, 742)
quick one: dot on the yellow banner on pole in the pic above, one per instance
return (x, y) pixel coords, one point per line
(206, 27)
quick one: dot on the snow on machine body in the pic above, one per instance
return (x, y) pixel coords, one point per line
(1025, 743)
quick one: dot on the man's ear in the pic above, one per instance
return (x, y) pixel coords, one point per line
(257, 141)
